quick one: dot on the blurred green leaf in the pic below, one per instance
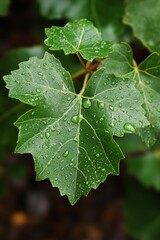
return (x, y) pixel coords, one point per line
(143, 16)
(142, 212)
(4, 7)
(106, 16)
(146, 168)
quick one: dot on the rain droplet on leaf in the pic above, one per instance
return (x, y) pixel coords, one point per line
(101, 105)
(76, 119)
(129, 127)
(65, 154)
(86, 103)
(47, 134)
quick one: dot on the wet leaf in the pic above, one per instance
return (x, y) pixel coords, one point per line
(78, 37)
(67, 147)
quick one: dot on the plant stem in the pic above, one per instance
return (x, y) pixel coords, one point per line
(84, 84)
(80, 59)
(78, 74)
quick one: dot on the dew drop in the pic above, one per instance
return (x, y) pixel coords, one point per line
(111, 107)
(65, 154)
(141, 123)
(40, 74)
(101, 119)
(86, 103)
(76, 119)
(129, 127)
(101, 105)
(103, 169)
(49, 163)
(47, 134)
(120, 105)
(106, 97)
(97, 155)
(38, 90)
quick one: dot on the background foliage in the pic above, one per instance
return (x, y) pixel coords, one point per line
(118, 23)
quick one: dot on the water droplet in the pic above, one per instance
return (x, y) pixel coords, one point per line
(101, 105)
(103, 169)
(141, 123)
(112, 100)
(47, 134)
(147, 82)
(49, 163)
(106, 97)
(111, 107)
(65, 154)
(76, 119)
(101, 119)
(129, 127)
(97, 155)
(86, 103)
(38, 90)
(69, 98)
(40, 74)
(120, 105)
(111, 125)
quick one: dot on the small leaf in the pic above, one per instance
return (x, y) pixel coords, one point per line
(146, 23)
(67, 148)
(78, 37)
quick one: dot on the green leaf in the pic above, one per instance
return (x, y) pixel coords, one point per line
(78, 37)
(146, 168)
(146, 76)
(142, 212)
(53, 9)
(148, 83)
(112, 88)
(4, 7)
(143, 16)
(68, 148)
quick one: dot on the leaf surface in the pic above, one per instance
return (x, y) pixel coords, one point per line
(146, 23)
(146, 76)
(78, 37)
(67, 148)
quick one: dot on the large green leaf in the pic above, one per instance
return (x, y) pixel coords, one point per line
(106, 16)
(78, 37)
(142, 212)
(143, 16)
(70, 135)
(67, 148)
(146, 76)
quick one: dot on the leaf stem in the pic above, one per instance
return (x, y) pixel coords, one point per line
(78, 74)
(135, 65)
(81, 61)
(84, 84)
